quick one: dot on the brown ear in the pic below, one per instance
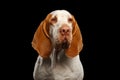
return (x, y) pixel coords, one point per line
(76, 44)
(41, 42)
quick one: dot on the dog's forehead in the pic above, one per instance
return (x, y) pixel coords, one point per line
(61, 13)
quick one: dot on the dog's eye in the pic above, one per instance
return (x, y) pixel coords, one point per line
(54, 20)
(70, 19)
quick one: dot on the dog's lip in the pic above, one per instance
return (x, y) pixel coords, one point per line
(65, 44)
(65, 40)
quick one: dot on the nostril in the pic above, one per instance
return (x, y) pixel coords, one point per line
(68, 30)
(63, 30)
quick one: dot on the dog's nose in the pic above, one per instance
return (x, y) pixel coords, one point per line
(64, 30)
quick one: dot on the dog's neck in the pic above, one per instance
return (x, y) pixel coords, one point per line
(57, 56)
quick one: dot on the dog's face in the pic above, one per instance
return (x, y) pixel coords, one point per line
(58, 30)
(61, 27)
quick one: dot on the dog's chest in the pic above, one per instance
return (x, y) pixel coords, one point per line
(66, 70)
(58, 72)
(63, 72)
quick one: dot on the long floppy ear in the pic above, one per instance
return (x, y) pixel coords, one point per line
(76, 44)
(41, 42)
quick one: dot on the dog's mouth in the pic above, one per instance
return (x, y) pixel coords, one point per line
(65, 44)
(62, 45)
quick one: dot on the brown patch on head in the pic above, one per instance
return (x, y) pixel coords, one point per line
(53, 20)
(70, 19)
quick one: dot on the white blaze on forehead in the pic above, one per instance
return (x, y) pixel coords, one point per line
(63, 14)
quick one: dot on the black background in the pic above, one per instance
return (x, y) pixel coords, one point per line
(20, 21)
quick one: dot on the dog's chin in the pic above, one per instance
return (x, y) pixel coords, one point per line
(63, 45)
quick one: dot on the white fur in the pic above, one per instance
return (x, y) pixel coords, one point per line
(58, 67)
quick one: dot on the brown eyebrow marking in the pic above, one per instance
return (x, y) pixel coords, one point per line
(70, 19)
(53, 20)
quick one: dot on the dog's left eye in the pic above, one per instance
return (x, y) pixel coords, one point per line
(70, 19)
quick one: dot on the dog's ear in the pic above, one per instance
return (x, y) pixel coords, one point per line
(76, 44)
(41, 40)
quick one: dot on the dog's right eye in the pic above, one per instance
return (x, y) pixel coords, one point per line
(53, 20)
